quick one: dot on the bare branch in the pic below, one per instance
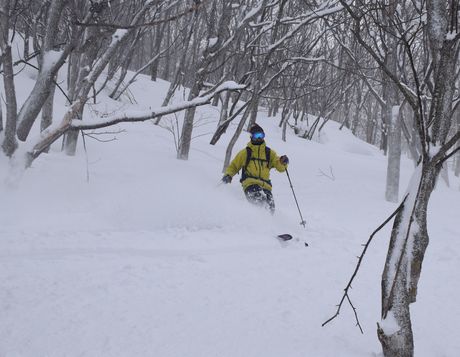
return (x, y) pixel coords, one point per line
(358, 265)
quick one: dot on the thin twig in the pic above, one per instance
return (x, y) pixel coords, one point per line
(101, 140)
(360, 259)
(330, 177)
(151, 23)
(356, 314)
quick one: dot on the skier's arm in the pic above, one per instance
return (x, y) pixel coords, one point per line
(236, 164)
(275, 161)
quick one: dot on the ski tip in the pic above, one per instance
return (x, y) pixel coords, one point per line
(285, 237)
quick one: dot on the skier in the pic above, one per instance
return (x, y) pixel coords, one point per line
(256, 161)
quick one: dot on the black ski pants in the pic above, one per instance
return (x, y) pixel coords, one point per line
(260, 197)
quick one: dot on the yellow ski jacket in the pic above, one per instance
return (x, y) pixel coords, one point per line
(258, 169)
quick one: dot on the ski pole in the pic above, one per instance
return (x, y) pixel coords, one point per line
(303, 222)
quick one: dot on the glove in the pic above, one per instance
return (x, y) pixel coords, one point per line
(284, 160)
(227, 179)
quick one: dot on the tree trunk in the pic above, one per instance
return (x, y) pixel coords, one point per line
(224, 108)
(346, 115)
(270, 109)
(384, 133)
(167, 60)
(1, 117)
(71, 137)
(26, 42)
(215, 100)
(9, 144)
(283, 135)
(457, 163)
(236, 135)
(355, 122)
(285, 115)
(72, 75)
(155, 50)
(187, 128)
(276, 107)
(254, 106)
(1, 109)
(47, 111)
(457, 156)
(370, 127)
(409, 240)
(394, 157)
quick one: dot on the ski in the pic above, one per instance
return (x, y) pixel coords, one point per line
(287, 237)
(284, 237)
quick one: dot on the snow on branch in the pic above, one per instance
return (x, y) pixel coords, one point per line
(137, 116)
(323, 11)
(55, 131)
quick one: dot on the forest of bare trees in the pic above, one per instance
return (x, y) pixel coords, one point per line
(386, 70)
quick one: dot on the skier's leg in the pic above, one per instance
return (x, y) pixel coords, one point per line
(270, 201)
(255, 195)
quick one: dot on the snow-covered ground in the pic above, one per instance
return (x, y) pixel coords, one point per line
(154, 257)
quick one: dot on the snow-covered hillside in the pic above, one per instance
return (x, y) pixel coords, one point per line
(152, 256)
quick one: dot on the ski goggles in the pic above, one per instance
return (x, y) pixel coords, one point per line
(258, 136)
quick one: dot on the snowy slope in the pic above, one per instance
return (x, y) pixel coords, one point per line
(153, 257)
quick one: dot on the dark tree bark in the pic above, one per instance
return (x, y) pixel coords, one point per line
(47, 110)
(9, 143)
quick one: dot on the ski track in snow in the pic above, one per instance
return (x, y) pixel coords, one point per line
(153, 257)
